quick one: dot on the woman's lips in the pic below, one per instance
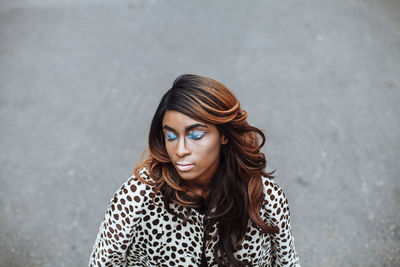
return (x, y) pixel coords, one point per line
(184, 167)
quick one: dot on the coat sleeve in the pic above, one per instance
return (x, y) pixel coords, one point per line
(277, 212)
(117, 228)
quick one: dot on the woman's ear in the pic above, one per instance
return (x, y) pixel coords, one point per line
(224, 140)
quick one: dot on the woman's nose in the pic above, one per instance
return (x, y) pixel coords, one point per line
(182, 148)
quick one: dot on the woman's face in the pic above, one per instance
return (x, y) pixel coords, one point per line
(192, 146)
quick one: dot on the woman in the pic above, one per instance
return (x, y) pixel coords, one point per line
(202, 196)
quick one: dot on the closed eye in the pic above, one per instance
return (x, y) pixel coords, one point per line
(170, 136)
(195, 135)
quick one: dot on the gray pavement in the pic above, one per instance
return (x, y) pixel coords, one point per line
(80, 81)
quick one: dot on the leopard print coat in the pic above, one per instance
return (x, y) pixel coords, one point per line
(137, 231)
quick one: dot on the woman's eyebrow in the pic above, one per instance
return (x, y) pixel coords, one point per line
(187, 128)
(166, 127)
(195, 126)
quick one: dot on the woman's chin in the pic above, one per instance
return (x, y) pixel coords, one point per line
(186, 175)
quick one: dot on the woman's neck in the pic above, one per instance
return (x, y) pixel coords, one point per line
(197, 191)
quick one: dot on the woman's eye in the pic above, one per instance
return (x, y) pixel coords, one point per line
(170, 136)
(196, 135)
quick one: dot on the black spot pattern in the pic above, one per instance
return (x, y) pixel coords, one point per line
(137, 232)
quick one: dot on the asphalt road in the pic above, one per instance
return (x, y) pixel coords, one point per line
(80, 81)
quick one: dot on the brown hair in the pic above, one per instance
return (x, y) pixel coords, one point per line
(236, 189)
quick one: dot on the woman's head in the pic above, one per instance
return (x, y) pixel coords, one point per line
(199, 136)
(198, 101)
(193, 147)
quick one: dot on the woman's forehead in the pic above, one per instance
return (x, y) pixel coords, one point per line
(178, 119)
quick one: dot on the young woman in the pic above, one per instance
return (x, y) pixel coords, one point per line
(202, 197)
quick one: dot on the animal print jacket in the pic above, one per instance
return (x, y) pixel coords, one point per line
(137, 232)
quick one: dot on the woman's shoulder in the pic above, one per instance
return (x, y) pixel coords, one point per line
(135, 191)
(272, 189)
(143, 180)
(275, 201)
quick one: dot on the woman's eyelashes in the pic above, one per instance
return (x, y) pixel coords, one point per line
(170, 136)
(195, 135)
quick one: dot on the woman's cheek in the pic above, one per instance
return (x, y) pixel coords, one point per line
(213, 149)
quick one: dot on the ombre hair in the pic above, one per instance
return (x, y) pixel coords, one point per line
(236, 190)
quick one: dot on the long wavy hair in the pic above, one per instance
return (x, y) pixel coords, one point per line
(235, 191)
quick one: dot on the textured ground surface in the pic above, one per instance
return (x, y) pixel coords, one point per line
(80, 81)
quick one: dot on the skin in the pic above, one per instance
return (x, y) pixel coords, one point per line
(193, 147)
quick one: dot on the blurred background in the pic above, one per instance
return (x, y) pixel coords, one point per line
(80, 81)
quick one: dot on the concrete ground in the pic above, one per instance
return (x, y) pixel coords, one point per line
(80, 81)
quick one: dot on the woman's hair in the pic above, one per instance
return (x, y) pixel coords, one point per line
(236, 189)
